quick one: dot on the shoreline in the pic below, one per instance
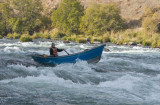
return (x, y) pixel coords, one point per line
(51, 40)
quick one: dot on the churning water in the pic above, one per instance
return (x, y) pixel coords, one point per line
(125, 75)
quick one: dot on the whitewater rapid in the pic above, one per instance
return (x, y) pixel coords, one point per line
(125, 75)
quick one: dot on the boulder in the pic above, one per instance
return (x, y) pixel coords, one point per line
(66, 41)
(139, 44)
(125, 43)
(96, 42)
(132, 43)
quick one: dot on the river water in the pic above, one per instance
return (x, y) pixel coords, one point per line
(125, 75)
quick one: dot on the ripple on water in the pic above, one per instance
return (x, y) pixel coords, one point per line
(123, 76)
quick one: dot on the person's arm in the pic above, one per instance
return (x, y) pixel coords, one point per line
(60, 50)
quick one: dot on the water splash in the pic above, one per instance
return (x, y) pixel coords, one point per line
(125, 75)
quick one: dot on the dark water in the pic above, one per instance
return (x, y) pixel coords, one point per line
(125, 76)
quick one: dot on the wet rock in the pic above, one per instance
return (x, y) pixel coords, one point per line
(132, 43)
(107, 50)
(66, 41)
(125, 43)
(96, 42)
(139, 44)
(157, 47)
(88, 40)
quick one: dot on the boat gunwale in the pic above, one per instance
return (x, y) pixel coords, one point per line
(41, 56)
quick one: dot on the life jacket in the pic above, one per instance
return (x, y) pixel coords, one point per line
(55, 53)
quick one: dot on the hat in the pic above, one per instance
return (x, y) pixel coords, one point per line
(53, 44)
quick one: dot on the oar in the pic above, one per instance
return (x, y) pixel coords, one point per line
(66, 52)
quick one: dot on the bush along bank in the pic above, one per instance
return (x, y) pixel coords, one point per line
(1, 36)
(127, 37)
(136, 37)
(26, 38)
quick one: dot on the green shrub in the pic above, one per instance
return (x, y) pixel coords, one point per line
(106, 38)
(73, 38)
(25, 38)
(9, 36)
(36, 36)
(130, 35)
(68, 38)
(101, 18)
(46, 36)
(120, 42)
(88, 37)
(81, 40)
(97, 39)
(1, 36)
(155, 40)
(13, 36)
(154, 44)
(64, 38)
(113, 40)
(146, 43)
(16, 36)
(158, 43)
(151, 19)
(40, 35)
(67, 16)
(56, 34)
(133, 34)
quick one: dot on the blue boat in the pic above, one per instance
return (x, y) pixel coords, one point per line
(91, 56)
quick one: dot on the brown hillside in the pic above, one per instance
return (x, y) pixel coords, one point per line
(130, 9)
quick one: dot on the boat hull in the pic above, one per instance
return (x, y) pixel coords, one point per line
(91, 56)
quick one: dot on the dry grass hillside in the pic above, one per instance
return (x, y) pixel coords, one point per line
(130, 9)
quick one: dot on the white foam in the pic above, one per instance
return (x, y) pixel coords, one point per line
(8, 44)
(48, 78)
(79, 66)
(82, 46)
(48, 75)
(33, 44)
(60, 45)
(41, 52)
(127, 86)
(13, 50)
(131, 50)
(126, 82)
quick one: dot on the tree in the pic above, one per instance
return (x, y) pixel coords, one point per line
(46, 23)
(151, 20)
(16, 25)
(67, 16)
(28, 13)
(6, 13)
(20, 16)
(99, 19)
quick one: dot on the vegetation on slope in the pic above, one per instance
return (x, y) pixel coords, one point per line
(25, 38)
(99, 19)
(67, 16)
(71, 21)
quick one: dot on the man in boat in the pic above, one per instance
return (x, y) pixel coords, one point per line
(54, 51)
